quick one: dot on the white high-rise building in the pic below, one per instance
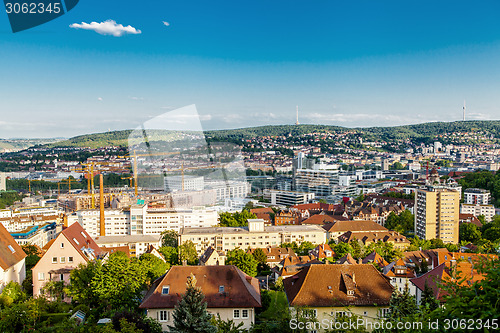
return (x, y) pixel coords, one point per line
(3, 182)
(477, 196)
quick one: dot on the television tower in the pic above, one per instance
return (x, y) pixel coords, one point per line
(297, 122)
(464, 112)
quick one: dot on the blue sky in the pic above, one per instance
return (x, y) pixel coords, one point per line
(249, 63)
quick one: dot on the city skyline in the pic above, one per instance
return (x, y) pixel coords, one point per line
(250, 64)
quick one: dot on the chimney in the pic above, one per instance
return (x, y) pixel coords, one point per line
(354, 278)
(360, 261)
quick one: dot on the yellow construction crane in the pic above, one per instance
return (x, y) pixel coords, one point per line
(66, 182)
(182, 169)
(134, 163)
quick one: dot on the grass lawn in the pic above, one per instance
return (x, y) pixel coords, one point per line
(278, 307)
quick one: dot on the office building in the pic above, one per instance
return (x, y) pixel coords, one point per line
(477, 196)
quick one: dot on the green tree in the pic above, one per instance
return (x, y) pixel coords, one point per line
(171, 254)
(170, 238)
(190, 314)
(469, 232)
(244, 261)
(12, 293)
(227, 326)
(385, 250)
(304, 248)
(356, 251)
(155, 267)
(260, 256)
(341, 249)
(187, 252)
(238, 219)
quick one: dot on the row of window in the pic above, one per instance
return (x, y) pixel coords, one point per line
(62, 260)
(164, 315)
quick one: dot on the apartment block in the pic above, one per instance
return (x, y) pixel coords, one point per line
(254, 236)
(437, 214)
(477, 196)
(488, 211)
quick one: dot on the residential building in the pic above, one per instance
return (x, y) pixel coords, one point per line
(437, 214)
(229, 293)
(400, 276)
(183, 183)
(332, 291)
(323, 251)
(274, 254)
(253, 236)
(290, 198)
(12, 259)
(73, 246)
(319, 182)
(38, 235)
(477, 196)
(18, 222)
(143, 220)
(137, 244)
(488, 211)
(338, 228)
(212, 258)
(366, 238)
(287, 217)
(229, 189)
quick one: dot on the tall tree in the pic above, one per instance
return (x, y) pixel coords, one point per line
(187, 252)
(155, 267)
(244, 261)
(190, 314)
(169, 238)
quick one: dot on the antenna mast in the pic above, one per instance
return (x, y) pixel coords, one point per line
(464, 112)
(297, 122)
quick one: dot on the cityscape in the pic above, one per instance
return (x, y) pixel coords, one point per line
(250, 167)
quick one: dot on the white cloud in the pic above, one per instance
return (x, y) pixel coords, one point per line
(99, 99)
(134, 98)
(108, 27)
(166, 23)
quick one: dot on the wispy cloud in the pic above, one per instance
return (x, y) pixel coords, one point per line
(165, 23)
(134, 98)
(99, 99)
(108, 27)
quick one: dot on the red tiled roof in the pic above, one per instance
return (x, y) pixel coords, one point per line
(354, 226)
(319, 219)
(240, 290)
(328, 286)
(10, 252)
(80, 239)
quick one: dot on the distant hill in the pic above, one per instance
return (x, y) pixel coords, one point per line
(13, 145)
(426, 130)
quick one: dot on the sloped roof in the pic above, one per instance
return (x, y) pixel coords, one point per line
(10, 252)
(431, 279)
(240, 290)
(376, 258)
(81, 240)
(327, 285)
(347, 259)
(319, 219)
(354, 226)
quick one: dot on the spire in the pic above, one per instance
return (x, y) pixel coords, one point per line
(464, 112)
(297, 122)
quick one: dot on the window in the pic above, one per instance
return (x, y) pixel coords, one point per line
(61, 277)
(350, 292)
(165, 290)
(244, 313)
(62, 260)
(54, 260)
(41, 276)
(221, 289)
(62, 245)
(236, 314)
(74, 239)
(164, 315)
(70, 259)
(11, 248)
(384, 312)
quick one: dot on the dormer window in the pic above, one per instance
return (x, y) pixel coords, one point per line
(165, 290)
(83, 234)
(11, 248)
(77, 243)
(221, 289)
(62, 245)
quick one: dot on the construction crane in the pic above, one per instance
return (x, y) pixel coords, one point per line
(66, 182)
(182, 169)
(134, 156)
